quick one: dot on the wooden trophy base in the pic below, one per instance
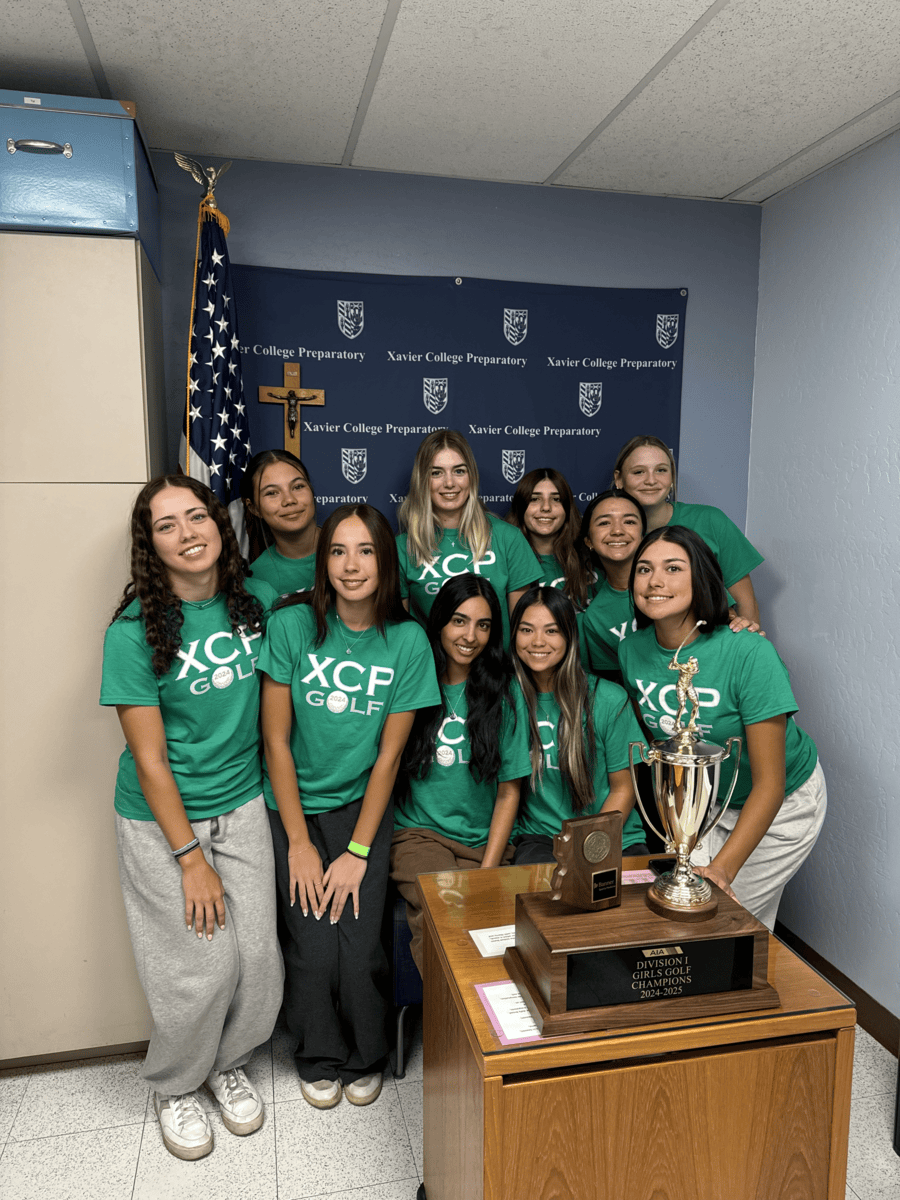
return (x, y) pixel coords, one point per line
(579, 972)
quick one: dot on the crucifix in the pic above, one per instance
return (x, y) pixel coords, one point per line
(291, 396)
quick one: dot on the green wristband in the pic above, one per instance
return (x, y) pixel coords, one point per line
(358, 850)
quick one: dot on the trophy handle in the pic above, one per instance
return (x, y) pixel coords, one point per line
(637, 792)
(732, 741)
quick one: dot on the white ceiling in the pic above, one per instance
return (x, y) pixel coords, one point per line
(736, 99)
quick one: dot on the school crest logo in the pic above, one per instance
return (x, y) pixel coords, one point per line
(354, 464)
(351, 317)
(513, 465)
(590, 397)
(435, 394)
(667, 329)
(515, 325)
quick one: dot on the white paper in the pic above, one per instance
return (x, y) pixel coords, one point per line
(509, 1008)
(492, 942)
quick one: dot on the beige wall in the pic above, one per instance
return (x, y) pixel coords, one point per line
(79, 348)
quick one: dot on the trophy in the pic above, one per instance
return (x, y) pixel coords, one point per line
(685, 772)
(588, 853)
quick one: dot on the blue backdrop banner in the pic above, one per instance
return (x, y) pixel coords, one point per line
(533, 374)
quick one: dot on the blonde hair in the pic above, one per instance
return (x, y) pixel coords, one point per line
(416, 516)
(646, 439)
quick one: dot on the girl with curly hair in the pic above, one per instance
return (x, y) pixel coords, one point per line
(195, 853)
(458, 792)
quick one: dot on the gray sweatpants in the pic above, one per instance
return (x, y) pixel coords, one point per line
(212, 1002)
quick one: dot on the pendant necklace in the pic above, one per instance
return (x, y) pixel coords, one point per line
(444, 754)
(202, 603)
(347, 632)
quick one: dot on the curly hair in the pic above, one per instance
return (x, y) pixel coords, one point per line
(149, 583)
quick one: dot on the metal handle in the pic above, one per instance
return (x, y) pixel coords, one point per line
(637, 792)
(729, 745)
(35, 146)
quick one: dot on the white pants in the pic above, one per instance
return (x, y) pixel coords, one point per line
(784, 847)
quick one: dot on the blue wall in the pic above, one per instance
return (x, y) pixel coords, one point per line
(326, 218)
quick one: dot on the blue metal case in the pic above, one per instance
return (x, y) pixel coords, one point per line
(70, 164)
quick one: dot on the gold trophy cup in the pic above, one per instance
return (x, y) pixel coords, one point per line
(685, 773)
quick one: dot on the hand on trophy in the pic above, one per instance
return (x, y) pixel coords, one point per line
(717, 875)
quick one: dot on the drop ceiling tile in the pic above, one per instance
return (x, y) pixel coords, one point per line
(762, 81)
(495, 90)
(266, 79)
(876, 124)
(41, 51)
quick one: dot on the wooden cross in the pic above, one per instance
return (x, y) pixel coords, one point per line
(292, 396)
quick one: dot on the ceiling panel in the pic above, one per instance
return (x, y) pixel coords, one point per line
(268, 79)
(496, 90)
(41, 52)
(762, 81)
(885, 120)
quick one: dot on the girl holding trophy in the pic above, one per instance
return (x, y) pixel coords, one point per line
(743, 691)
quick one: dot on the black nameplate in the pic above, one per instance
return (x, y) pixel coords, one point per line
(603, 885)
(629, 976)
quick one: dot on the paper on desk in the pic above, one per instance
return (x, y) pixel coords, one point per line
(507, 1013)
(638, 876)
(492, 942)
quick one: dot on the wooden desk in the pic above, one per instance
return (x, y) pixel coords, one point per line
(749, 1106)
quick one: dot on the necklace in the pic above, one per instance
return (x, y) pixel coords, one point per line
(444, 754)
(346, 634)
(202, 603)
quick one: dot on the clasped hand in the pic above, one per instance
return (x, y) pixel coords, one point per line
(317, 890)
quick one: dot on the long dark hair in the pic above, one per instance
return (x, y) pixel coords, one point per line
(488, 695)
(709, 601)
(149, 583)
(576, 736)
(387, 603)
(257, 530)
(565, 540)
(613, 493)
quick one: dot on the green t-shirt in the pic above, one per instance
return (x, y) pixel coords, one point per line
(285, 574)
(544, 811)
(740, 681)
(509, 563)
(737, 556)
(552, 573)
(449, 800)
(342, 697)
(208, 700)
(607, 621)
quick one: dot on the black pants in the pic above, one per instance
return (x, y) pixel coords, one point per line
(336, 975)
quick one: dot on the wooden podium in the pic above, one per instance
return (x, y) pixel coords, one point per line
(736, 1106)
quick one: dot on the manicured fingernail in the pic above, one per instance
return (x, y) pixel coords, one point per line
(199, 933)
(305, 912)
(356, 916)
(333, 921)
(222, 926)
(209, 937)
(317, 915)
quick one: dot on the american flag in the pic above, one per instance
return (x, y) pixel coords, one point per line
(217, 442)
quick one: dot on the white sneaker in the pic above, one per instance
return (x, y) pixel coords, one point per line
(324, 1093)
(239, 1102)
(184, 1125)
(364, 1090)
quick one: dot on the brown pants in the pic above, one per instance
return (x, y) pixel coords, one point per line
(421, 852)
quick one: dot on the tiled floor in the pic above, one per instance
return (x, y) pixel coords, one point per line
(85, 1131)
